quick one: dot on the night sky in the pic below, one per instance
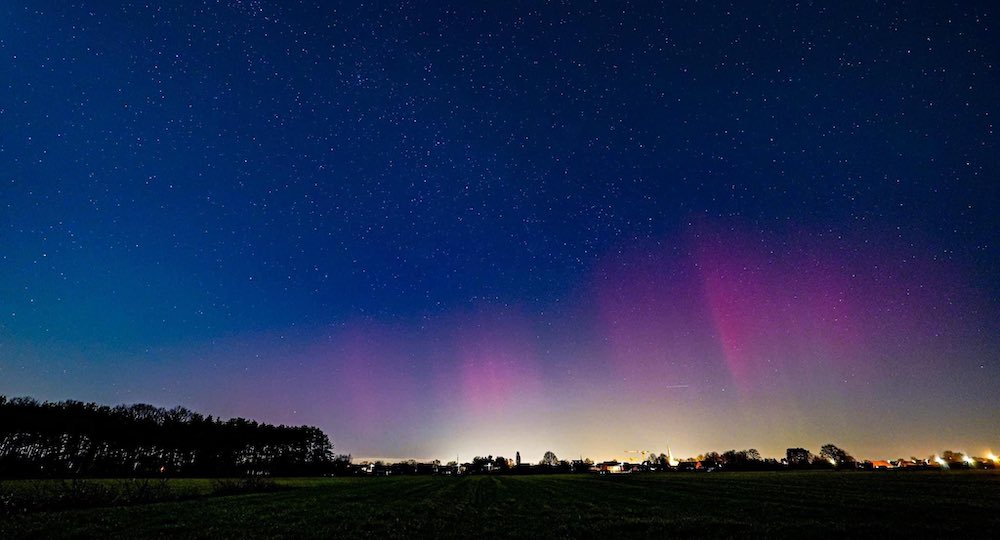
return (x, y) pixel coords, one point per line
(437, 229)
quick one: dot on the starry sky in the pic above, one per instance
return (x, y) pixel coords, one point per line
(437, 229)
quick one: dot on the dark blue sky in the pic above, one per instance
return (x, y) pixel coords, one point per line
(175, 174)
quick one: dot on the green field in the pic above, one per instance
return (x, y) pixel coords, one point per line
(787, 504)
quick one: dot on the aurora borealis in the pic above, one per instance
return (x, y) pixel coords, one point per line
(434, 229)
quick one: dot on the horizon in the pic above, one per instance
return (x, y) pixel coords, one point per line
(623, 455)
(440, 229)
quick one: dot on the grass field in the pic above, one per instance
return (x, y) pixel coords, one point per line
(786, 504)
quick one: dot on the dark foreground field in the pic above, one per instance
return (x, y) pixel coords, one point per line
(788, 504)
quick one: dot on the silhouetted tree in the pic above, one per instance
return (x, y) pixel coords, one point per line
(500, 464)
(820, 462)
(549, 459)
(711, 460)
(798, 457)
(742, 459)
(835, 455)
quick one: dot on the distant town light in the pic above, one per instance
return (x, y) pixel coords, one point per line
(969, 460)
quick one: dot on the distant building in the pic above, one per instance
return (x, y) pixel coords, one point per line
(610, 467)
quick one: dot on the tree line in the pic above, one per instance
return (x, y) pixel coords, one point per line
(72, 438)
(76, 439)
(829, 457)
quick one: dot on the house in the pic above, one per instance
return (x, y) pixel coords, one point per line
(610, 467)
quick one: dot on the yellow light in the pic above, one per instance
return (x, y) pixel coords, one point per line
(992, 457)
(941, 462)
(832, 461)
(969, 460)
